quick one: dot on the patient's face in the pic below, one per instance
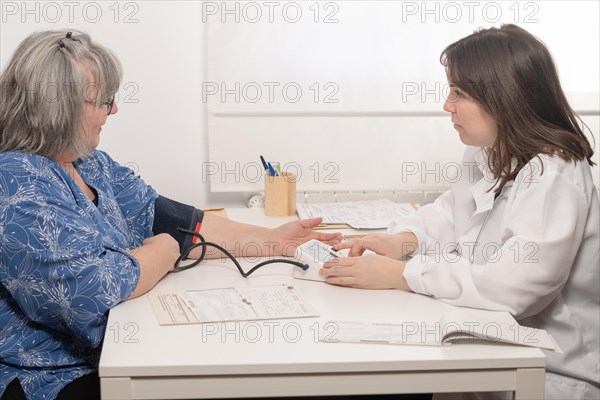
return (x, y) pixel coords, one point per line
(94, 117)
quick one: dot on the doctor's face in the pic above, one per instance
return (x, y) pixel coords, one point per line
(475, 126)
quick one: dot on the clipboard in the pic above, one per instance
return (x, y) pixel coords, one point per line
(332, 226)
(219, 212)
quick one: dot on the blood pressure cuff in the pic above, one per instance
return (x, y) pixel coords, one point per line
(170, 215)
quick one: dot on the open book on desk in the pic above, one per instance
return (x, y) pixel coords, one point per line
(453, 327)
(371, 214)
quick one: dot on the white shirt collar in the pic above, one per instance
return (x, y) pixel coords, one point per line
(483, 196)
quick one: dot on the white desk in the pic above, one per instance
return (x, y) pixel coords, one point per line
(142, 360)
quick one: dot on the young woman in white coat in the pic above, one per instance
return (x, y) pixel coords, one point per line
(520, 231)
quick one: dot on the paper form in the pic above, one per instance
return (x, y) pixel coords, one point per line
(171, 310)
(372, 214)
(231, 304)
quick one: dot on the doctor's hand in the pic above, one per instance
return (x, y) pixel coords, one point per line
(368, 272)
(392, 246)
(288, 236)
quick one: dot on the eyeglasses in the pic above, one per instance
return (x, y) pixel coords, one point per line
(108, 104)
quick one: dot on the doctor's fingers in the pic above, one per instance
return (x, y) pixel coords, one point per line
(356, 275)
(336, 274)
(357, 247)
(335, 263)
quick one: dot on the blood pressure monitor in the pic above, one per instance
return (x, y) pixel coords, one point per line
(314, 254)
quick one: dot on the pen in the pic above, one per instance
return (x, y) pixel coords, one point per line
(264, 163)
(272, 172)
(355, 236)
(276, 167)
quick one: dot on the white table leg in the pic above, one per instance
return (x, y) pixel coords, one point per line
(530, 384)
(115, 388)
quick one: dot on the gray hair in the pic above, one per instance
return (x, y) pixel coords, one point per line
(44, 86)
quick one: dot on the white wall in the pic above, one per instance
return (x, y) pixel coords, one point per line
(385, 129)
(161, 125)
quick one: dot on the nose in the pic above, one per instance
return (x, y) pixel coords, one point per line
(449, 106)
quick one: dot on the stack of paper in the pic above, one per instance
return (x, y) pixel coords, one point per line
(372, 214)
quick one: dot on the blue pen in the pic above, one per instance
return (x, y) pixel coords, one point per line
(272, 171)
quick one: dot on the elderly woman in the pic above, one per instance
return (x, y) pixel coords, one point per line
(80, 233)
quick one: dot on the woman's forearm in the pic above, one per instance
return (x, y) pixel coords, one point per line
(156, 256)
(241, 240)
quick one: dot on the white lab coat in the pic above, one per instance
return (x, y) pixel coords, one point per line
(533, 252)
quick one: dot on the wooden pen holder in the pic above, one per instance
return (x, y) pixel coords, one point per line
(280, 195)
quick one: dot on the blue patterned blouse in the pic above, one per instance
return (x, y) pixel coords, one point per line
(63, 264)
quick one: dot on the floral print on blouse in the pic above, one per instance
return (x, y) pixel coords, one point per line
(64, 262)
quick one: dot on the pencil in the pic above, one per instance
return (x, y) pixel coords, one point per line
(355, 236)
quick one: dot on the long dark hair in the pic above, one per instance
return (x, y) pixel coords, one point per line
(513, 76)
